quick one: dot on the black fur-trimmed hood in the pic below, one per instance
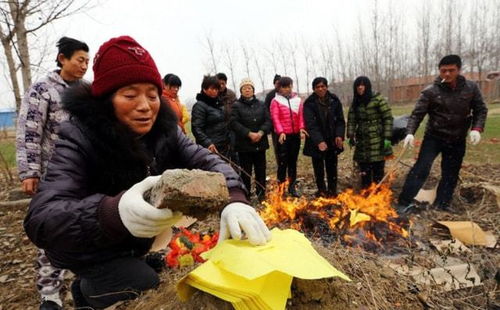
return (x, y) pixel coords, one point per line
(121, 158)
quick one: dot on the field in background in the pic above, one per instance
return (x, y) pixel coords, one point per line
(487, 151)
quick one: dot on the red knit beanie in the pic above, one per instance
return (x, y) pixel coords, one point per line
(122, 61)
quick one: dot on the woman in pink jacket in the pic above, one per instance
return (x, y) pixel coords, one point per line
(288, 121)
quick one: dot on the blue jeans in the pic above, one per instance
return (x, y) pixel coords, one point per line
(452, 156)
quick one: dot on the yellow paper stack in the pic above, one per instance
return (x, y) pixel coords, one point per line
(257, 277)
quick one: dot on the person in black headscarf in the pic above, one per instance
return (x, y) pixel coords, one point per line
(369, 129)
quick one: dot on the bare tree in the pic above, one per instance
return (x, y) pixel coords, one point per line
(211, 48)
(479, 33)
(21, 19)
(342, 67)
(247, 57)
(261, 70)
(424, 37)
(230, 59)
(283, 54)
(273, 57)
(307, 52)
(495, 51)
(294, 56)
(376, 43)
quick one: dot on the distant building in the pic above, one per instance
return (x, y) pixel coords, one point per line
(408, 90)
(7, 118)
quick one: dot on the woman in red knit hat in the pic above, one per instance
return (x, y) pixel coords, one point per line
(89, 214)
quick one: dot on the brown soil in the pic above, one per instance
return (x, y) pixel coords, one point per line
(373, 285)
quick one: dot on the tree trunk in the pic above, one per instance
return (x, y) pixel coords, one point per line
(12, 67)
(18, 13)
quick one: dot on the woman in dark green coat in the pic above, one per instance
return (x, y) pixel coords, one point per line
(369, 129)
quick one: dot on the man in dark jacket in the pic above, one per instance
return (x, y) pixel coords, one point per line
(251, 124)
(454, 105)
(270, 95)
(324, 121)
(227, 97)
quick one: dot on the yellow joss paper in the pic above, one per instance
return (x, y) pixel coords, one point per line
(268, 292)
(257, 277)
(289, 252)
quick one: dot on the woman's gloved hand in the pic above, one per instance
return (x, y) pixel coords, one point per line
(237, 217)
(387, 144)
(139, 217)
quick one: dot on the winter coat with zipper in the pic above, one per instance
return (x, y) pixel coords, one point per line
(370, 124)
(286, 114)
(209, 122)
(178, 108)
(74, 216)
(250, 115)
(40, 116)
(321, 129)
(451, 111)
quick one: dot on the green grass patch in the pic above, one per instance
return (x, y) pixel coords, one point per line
(8, 151)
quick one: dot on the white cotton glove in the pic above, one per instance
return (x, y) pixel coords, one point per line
(139, 217)
(475, 137)
(409, 141)
(237, 217)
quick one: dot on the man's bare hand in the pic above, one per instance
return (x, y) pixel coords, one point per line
(30, 186)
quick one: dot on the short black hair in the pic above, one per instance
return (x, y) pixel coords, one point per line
(210, 81)
(451, 60)
(276, 78)
(68, 46)
(221, 76)
(319, 80)
(172, 80)
(285, 81)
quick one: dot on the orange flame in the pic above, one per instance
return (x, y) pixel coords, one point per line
(352, 215)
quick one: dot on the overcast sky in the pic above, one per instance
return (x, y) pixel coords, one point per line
(173, 31)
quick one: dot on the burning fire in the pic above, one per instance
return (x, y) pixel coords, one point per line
(365, 219)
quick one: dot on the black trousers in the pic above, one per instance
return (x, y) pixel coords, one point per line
(371, 172)
(257, 161)
(452, 155)
(274, 138)
(102, 285)
(288, 153)
(329, 160)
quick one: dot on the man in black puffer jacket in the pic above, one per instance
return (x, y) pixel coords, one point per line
(251, 124)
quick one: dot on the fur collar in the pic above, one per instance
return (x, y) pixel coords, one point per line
(121, 158)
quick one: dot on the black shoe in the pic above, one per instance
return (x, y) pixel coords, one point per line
(155, 260)
(405, 209)
(444, 207)
(49, 305)
(79, 300)
(292, 190)
(331, 193)
(319, 194)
